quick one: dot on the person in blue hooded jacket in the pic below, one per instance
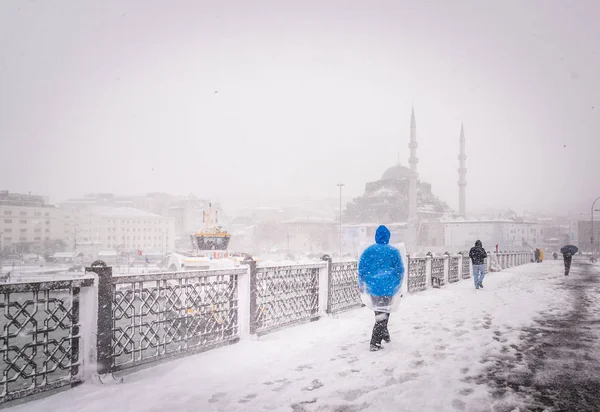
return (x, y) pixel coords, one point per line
(380, 275)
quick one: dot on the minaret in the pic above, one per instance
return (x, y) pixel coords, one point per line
(412, 190)
(462, 176)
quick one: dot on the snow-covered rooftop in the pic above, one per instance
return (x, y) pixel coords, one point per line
(63, 255)
(496, 221)
(127, 212)
(393, 225)
(311, 220)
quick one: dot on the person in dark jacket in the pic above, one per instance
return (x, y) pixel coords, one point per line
(568, 251)
(478, 256)
(380, 275)
(537, 255)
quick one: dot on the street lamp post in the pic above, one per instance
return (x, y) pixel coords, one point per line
(340, 185)
(592, 236)
(1, 261)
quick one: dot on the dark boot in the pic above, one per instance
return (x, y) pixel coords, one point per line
(380, 329)
(386, 333)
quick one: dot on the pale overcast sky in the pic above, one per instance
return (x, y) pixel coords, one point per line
(249, 100)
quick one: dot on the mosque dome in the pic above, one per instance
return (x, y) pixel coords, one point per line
(397, 172)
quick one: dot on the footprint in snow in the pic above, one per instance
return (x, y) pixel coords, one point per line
(459, 405)
(217, 397)
(315, 384)
(466, 391)
(248, 398)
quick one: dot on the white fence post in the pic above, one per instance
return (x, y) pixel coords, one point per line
(446, 269)
(428, 273)
(88, 308)
(244, 304)
(324, 273)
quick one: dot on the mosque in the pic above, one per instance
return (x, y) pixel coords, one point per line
(399, 198)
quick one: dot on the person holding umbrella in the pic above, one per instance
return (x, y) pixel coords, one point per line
(568, 251)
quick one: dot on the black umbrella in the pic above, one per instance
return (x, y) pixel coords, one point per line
(569, 250)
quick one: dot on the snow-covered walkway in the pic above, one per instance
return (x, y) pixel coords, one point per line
(448, 350)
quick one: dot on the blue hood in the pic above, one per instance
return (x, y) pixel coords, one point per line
(380, 268)
(382, 235)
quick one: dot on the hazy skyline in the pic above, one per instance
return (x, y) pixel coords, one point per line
(243, 101)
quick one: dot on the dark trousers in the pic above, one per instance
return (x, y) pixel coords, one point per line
(567, 260)
(380, 330)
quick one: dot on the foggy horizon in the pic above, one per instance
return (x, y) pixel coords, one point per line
(247, 103)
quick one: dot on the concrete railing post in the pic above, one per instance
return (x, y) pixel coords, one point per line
(104, 318)
(446, 268)
(252, 304)
(428, 284)
(89, 328)
(325, 279)
(244, 304)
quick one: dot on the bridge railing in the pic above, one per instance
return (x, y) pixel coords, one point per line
(453, 265)
(417, 279)
(146, 318)
(283, 295)
(141, 319)
(343, 293)
(42, 341)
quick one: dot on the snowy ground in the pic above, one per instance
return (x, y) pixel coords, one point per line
(454, 349)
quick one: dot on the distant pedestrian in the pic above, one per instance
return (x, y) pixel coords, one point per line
(555, 255)
(537, 255)
(568, 251)
(380, 275)
(478, 256)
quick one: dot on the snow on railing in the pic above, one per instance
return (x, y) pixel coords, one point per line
(132, 320)
(146, 318)
(417, 274)
(41, 344)
(343, 293)
(283, 295)
(453, 275)
(465, 270)
(438, 271)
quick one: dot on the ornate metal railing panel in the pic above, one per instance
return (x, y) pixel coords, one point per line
(417, 274)
(40, 337)
(503, 261)
(437, 272)
(466, 267)
(343, 287)
(284, 295)
(161, 315)
(453, 269)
